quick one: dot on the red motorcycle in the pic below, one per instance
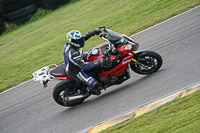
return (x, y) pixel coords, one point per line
(119, 52)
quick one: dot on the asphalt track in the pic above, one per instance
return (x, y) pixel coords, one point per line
(26, 109)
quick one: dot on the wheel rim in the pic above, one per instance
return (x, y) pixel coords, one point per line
(63, 94)
(147, 64)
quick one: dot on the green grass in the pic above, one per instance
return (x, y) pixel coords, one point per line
(39, 43)
(182, 116)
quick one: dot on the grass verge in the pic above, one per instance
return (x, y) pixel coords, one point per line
(39, 43)
(182, 116)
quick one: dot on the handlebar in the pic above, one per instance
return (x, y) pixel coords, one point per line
(107, 52)
(103, 27)
(110, 48)
(104, 33)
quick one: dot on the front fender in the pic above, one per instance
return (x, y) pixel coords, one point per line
(140, 53)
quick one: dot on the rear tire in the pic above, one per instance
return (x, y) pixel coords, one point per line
(62, 89)
(2, 25)
(16, 6)
(149, 62)
(51, 4)
(7, 2)
(23, 20)
(21, 13)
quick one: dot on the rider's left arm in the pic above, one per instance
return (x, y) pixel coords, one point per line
(85, 54)
(91, 33)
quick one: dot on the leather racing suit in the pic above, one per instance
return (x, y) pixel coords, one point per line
(75, 64)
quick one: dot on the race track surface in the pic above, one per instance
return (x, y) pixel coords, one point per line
(25, 109)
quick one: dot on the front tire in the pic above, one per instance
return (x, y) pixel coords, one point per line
(149, 62)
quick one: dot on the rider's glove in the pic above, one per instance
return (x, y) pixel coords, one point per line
(97, 31)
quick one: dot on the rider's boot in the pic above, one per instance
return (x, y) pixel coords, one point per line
(94, 91)
(94, 88)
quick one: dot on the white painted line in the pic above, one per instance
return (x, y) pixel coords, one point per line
(166, 20)
(15, 86)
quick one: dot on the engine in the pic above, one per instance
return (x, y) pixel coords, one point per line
(111, 79)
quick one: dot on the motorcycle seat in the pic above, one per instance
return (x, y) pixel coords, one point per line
(59, 71)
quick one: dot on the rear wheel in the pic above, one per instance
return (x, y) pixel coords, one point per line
(63, 89)
(149, 62)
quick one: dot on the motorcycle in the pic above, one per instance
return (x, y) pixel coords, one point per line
(119, 51)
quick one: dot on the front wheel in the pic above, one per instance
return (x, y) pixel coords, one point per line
(148, 62)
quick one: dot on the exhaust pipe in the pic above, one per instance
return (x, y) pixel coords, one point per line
(73, 100)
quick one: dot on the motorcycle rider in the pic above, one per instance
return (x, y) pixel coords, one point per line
(75, 64)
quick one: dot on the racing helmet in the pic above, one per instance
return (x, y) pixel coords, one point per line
(75, 38)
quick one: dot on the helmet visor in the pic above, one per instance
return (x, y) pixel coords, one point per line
(79, 41)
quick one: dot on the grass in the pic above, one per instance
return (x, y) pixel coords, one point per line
(182, 116)
(39, 43)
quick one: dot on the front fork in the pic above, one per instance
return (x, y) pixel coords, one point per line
(133, 60)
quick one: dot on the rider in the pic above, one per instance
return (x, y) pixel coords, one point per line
(74, 59)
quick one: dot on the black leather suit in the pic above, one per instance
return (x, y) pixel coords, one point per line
(75, 64)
